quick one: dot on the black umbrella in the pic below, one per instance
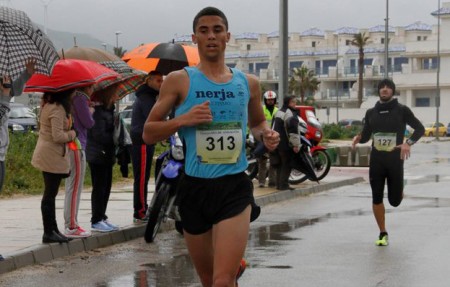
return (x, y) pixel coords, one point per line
(20, 40)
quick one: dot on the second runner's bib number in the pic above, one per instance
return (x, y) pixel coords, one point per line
(385, 141)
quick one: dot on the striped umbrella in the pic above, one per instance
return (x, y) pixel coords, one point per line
(162, 57)
(20, 40)
(129, 79)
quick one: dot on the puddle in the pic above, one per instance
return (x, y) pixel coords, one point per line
(264, 242)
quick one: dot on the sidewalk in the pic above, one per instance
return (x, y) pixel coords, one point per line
(21, 221)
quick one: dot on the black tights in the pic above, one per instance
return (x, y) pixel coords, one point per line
(52, 182)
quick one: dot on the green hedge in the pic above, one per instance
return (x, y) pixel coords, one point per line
(22, 178)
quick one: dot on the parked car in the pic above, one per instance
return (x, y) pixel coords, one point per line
(448, 130)
(430, 129)
(349, 123)
(126, 116)
(21, 118)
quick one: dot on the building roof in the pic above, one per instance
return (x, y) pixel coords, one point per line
(381, 28)
(418, 26)
(247, 35)
(442, 11)
(347, 30)
(313, 32)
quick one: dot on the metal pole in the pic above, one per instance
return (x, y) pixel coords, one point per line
(283, 50)
(438, 70)
(386, 42)
(337, 78)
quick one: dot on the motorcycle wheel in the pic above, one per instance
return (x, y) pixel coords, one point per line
(322, 164)
(157, 211)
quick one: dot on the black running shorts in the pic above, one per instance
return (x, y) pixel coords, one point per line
(205, 202)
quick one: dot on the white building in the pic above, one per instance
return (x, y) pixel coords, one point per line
(412, 64)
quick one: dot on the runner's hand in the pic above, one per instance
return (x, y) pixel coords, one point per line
(356, 140)
(405, 151)
(270, 138)
(199, 114)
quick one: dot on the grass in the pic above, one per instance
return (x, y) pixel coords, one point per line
(23, 179)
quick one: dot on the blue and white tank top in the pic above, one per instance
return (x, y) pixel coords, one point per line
(218, 148)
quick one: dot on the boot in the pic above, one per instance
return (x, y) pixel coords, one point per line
(53, 237)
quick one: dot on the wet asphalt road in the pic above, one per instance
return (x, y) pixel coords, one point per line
(325, 239)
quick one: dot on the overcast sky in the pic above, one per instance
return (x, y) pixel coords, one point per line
(144, 21)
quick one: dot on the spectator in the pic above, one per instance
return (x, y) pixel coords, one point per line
(82, 121)
(269, 109)
(7, 91)
(51, 156)
(141, 153)
(100, 155)
(286, 124)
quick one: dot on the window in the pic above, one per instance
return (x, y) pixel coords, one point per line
(295, 64)
(382, 40)
(327, 64)
(260, 66)
(419, 38)
(348, 42)
(424, 38)
(398, 63)
(422, 102)
(249, 47)
(429, 63)
(313, 44)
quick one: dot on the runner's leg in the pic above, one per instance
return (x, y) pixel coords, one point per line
(229, 241)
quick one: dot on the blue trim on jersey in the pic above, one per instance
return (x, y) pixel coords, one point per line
(229, 103)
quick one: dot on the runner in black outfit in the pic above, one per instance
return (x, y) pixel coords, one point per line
(385, 124)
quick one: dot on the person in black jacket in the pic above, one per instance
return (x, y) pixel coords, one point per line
(286, 124)
(141, 153)
(385, 124)
(100, 155)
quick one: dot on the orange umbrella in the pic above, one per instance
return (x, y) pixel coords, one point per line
(162, 57)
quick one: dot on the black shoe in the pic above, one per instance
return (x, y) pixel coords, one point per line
(54, 238)
(63, 236)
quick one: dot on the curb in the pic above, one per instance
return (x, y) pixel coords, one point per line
(41, 253)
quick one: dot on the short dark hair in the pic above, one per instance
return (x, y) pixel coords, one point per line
(210, 11)
(153, 73)
(386, 82)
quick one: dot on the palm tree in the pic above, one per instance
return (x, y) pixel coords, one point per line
(360, 40)
(302, 81)
(119, 51)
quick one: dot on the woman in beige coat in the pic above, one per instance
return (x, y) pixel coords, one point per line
(51, 156)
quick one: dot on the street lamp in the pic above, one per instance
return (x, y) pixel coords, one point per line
(386, 42)
(117, 38)
(337, 78)
(438, 68)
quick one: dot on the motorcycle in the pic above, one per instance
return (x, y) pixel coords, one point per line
(168, 169)
(311, 136)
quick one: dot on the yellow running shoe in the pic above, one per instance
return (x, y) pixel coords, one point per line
(382, 240)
